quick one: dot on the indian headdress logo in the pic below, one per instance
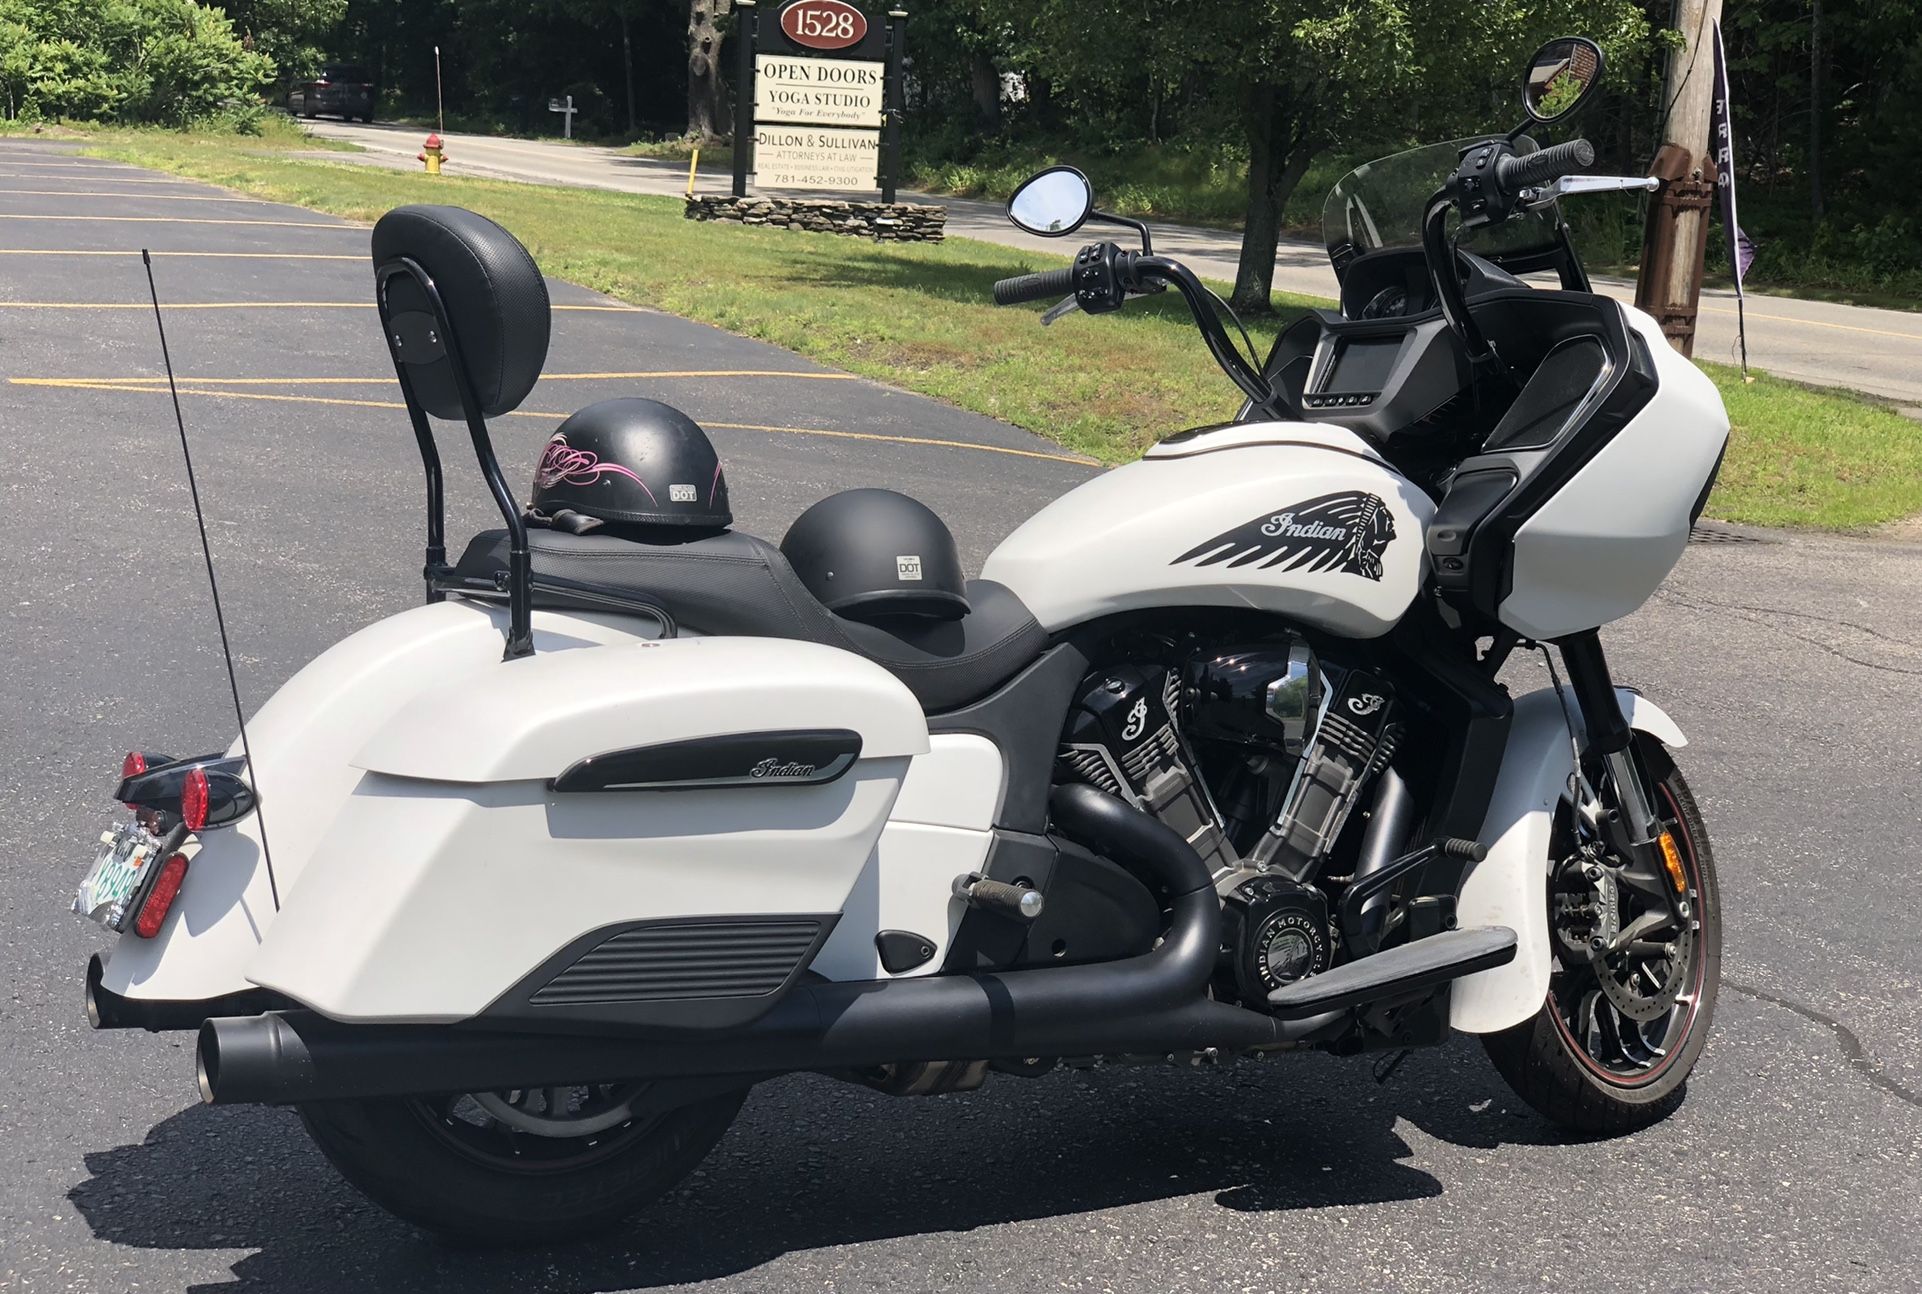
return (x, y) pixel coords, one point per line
(1334, 532)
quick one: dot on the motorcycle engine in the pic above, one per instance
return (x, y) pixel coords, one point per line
(1122, 739)
(1268, 733)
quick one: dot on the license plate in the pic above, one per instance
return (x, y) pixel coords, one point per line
(127, 854)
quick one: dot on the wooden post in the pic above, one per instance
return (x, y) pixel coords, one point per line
(746, 21)
(1670, 284)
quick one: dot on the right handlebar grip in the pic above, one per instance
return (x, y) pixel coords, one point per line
(1541, 168)
(1045, 286)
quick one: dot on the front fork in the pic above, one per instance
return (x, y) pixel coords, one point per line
(1631, 825)
(1635, 825)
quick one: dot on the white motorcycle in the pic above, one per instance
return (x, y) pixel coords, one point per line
(1216, 763)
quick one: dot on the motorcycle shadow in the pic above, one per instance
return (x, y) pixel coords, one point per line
(814, 1164)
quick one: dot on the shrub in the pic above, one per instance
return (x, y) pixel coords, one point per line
(161, 62)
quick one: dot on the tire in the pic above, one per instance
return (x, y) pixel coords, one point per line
(1559, 1077)
(402, 1155)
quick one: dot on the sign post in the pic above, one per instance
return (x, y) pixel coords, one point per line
(747, 23)
(891, 129)
(567, 110)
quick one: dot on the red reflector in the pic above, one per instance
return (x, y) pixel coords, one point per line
(160, 899)
(132, 766)
(193, 799)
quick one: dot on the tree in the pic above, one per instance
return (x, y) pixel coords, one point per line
(293, 33)
(1292, 76)
(706, 103)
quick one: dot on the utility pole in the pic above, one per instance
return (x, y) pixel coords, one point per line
(1670, 285)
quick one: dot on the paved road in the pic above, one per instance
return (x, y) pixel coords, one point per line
(1796, 668)
(1858, 347)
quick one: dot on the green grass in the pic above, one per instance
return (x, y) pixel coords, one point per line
(919, 317)
(1815, 459)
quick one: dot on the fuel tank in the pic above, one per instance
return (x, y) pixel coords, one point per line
(1299, 519)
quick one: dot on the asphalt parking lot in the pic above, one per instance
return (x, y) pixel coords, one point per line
(1796, 668)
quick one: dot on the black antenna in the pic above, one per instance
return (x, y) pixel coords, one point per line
(207, 552)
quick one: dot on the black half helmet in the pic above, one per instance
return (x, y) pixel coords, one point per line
(633, 462)
(874, 553)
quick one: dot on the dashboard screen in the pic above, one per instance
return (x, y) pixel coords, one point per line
(1362, 364)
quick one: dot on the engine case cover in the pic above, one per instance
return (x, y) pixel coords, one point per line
(1274, 932)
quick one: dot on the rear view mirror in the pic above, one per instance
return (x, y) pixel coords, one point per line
(1052, 203)
(1561, 76)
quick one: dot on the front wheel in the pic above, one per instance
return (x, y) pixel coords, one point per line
(1613, 1045)
(529, 1167)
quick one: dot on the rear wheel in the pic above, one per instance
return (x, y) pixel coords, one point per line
(1612, 1047)
(526, 1167)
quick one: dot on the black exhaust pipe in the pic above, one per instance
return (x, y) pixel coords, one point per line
(1154, 1003)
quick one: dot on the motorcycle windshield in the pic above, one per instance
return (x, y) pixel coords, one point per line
(1379, 204)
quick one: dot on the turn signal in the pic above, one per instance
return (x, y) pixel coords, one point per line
(193, 799)
(160, 899)
(1672, 857)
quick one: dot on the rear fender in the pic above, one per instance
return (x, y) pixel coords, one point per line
(1510, 886)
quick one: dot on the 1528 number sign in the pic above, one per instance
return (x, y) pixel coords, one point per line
(824, 24)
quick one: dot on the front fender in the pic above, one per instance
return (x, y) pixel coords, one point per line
(1510, 886)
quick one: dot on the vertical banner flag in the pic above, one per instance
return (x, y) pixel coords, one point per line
(1741, 252)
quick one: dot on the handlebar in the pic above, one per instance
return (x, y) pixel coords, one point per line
(1044, 286)
(1514, 173)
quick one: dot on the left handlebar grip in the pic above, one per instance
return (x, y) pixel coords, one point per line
(1034, 287)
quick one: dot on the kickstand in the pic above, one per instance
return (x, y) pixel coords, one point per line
(1385, 1068)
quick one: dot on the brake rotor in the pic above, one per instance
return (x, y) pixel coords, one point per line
(1646, 988)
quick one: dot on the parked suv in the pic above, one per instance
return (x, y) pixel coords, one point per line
(342, 90)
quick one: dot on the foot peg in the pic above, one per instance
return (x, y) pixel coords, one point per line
(1407, 969)
(998, 897)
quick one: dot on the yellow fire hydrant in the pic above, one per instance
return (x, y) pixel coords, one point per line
(432, 153)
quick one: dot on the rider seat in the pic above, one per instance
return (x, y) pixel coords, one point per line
(736, 584)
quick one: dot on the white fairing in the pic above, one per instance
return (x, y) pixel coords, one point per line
(1603, 543)
(1301, 520)
(1510, 886)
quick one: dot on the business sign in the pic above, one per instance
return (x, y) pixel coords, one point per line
(825, 109)
(818, 91)
(807, 157)
(824, 24)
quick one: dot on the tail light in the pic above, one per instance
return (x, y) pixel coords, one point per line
(203, 792)
(131, 767)
(193, 799)
(160, 899)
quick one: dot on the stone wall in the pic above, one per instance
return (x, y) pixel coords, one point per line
(895, 222)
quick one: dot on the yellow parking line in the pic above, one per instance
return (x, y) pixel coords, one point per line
(152, 197)
(78, 163)
(1819, 323)
(193, 220)
(117, 178)
(243, 256)
(261, 305)
(79, 385)
(381, 381)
